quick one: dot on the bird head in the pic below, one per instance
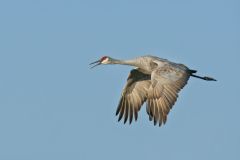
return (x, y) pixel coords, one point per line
(103, 60)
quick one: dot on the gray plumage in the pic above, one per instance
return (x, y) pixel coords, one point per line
(155, 81)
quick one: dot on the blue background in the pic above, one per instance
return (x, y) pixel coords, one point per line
(52, 106)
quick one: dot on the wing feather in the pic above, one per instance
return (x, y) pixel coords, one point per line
(122, 106)
(133, 96)
(166, 82)
(126, 111)
(160, 90)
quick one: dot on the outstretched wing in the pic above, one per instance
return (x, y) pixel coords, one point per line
(134, 95)
(166, 81)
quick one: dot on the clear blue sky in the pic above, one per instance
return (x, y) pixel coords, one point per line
(52, 106)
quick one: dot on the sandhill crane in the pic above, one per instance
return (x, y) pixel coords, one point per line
(155, 81)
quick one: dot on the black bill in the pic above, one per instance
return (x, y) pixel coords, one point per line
(98, 62)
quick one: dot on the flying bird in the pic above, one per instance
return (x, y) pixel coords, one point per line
(155, 81)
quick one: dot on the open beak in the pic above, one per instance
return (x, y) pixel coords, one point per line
(98, 62)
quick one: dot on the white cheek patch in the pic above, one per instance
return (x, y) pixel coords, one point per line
(105, 61)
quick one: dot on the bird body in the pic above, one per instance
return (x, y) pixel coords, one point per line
(155, 81)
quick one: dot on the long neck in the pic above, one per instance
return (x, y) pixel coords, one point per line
(125, 62)
(133, 62)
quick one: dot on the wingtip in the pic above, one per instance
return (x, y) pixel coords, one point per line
(130, 122)
(119, 118)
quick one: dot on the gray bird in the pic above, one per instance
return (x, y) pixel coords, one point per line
(155, 81)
